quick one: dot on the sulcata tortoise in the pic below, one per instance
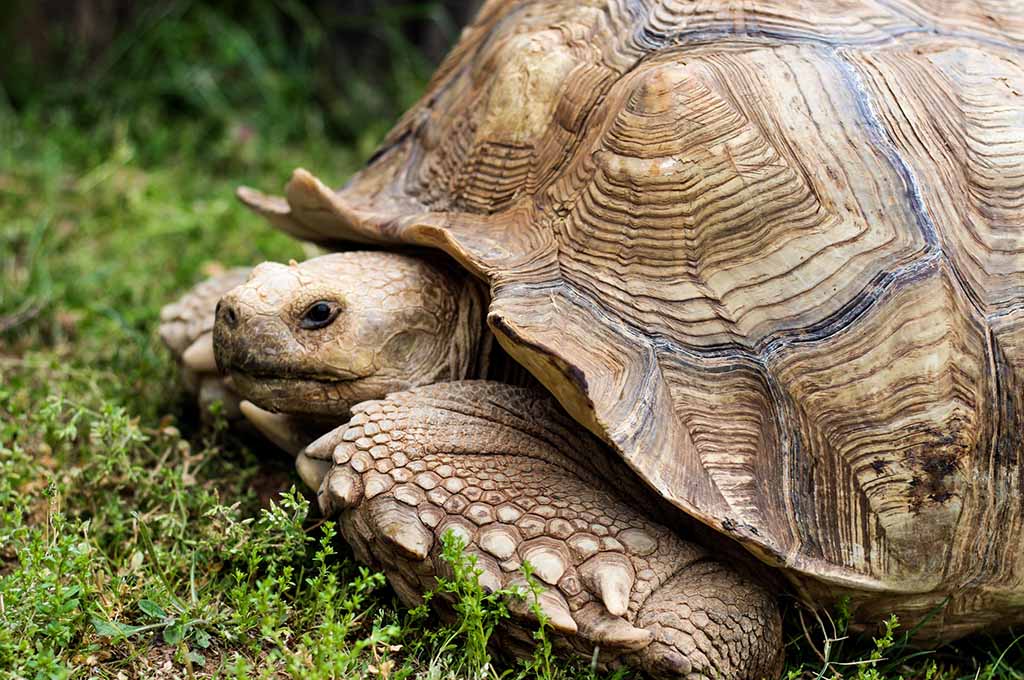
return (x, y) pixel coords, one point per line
(766, 255)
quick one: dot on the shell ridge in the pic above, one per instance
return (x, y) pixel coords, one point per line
(929, 27)
(993, 417)
(884, 143)
(624, 439)
(883, 272)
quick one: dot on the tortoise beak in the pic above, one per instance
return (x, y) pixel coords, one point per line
(245, 341)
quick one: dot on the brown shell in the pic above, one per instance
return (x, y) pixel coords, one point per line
(772, 251)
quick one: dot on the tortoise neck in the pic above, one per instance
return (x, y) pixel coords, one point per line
(498, 366)
(492, 361)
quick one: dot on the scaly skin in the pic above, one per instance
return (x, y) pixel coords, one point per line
(503, 468)
(186, 327)
(400, 322)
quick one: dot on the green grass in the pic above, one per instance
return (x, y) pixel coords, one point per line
(136, 542)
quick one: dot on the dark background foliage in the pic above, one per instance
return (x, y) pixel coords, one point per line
(357, 62)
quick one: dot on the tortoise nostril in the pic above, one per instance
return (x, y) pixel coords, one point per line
(227, 312)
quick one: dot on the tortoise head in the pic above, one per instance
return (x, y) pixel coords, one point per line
(317, 337)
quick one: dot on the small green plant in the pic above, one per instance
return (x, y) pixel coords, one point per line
(477, 611)
(543, 657)
(868, 670)
(462, 649)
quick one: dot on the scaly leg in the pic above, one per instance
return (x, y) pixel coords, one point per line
(186, 327)
(506, 470)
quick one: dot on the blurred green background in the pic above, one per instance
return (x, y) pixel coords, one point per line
(287, 68)
(137, 540)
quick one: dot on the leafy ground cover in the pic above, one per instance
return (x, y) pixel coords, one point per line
(136, 542)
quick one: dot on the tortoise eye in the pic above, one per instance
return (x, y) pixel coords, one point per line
(319, 314)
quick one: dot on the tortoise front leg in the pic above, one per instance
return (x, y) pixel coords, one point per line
(186, 327)
(503, 468)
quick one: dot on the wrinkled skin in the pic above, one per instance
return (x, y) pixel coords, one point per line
(393, 322)
(380, 346)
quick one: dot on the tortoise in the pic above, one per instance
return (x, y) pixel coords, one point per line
(767, 258)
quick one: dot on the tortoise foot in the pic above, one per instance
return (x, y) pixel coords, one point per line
(711, 621)
(186, 327)
(502, 468)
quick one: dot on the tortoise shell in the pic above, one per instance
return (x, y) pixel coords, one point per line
(771, 251)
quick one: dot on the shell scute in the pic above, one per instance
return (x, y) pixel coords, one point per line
(770, 251)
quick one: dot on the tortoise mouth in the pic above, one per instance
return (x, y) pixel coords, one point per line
(312, 395)
(296, 394)
(277, 378)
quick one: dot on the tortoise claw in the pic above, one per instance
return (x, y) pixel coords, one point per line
(450, 458)
(550, 601)
(186, 329)
(610, 575)
(597, 624)
(282, 430)
(342, 488)
(398, 523)
(199, 357)
(311, 470)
